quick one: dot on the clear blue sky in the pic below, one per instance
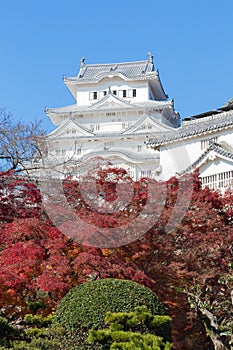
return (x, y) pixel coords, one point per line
(192, 44)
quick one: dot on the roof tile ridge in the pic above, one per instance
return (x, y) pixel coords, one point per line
(116, 63)
(166, 102)
(218, 147)
(47, 109)
(194, 129)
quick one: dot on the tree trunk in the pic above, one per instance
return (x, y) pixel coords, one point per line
(212, 329)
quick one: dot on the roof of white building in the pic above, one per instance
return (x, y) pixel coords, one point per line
(151, 104)
(197, 127)
(128, 70)
(228, 104)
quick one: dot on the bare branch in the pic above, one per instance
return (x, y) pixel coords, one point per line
(20, 142)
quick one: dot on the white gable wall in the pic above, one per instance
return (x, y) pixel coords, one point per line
(215, 172)
(215, 166)
(84, 92)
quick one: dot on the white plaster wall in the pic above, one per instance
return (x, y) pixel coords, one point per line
(114, 84)
(175, 158)
(226, 136)
(217, 166)
(128, 152)
(178, 156)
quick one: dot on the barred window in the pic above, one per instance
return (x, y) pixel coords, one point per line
(205, 143)
(220, 180)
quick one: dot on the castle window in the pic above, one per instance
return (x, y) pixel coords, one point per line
(126, 125)
(139, 148)
(132, 93)
(93, 95)
(205, 143)
(77, 147)
(122, 93)
(220, 180)
(146, 173)
(108, 144)
(95, 127)
(114, 92)
(102, 93)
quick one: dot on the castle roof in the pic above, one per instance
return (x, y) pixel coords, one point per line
(120, 104)
(90, 73)
(150, 104)
(199, 127)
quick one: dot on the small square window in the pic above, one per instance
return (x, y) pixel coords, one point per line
(93, 95)
(114, 92)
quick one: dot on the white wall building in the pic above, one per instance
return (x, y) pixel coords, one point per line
(122, 114)
(203, 141)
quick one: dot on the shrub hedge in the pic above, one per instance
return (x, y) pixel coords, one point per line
(85, 307)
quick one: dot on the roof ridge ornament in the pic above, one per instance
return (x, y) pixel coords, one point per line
(150, 56)
(82, 62)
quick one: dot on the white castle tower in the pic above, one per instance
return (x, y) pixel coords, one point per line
(123, 116)
(117, 107)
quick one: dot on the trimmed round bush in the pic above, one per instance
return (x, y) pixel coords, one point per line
(85, 306)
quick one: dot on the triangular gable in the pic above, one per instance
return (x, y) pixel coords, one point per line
(147, 124)
(213, 153)
(110, 101)
(70, 128)
(216, 166)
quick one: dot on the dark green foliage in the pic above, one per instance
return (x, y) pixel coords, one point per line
(36, 334)
(126, 328)
(7, 331)
(85, 307)
(35, 305)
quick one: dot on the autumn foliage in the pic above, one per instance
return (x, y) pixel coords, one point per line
(40, 264)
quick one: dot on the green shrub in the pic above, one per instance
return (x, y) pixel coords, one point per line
(37, 320)
(138, 329)
(85, 307)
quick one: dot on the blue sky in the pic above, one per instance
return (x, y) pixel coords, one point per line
(43, 40)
